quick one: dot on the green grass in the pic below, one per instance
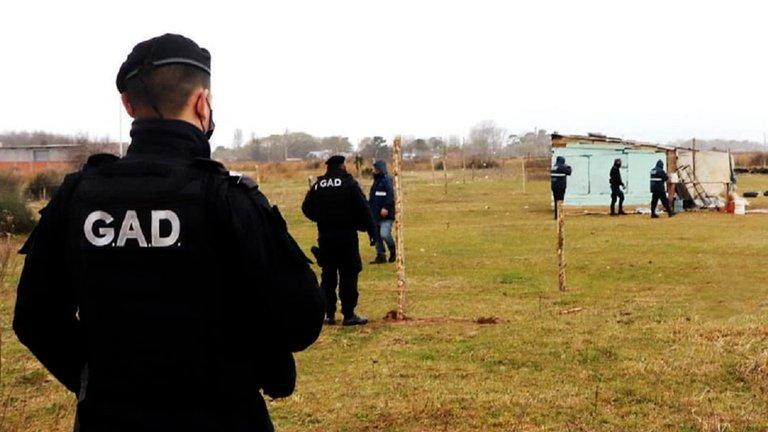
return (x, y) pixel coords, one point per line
(663, 326)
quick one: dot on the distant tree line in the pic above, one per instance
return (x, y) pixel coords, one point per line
(736, 146)
(290, 145)
(32, 138)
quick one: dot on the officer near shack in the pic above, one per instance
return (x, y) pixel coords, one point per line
(558, 175)
(337, 204)
(161, 290)
(616, 185)
(659, 190)
(382, 201)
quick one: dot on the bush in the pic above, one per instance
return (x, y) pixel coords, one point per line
(15, 216)
(44, 184)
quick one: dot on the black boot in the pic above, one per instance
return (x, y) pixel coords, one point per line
(330, 319)
(354, 320)
(392, 255)
(380, 259)
(654, 216)
(621, 212)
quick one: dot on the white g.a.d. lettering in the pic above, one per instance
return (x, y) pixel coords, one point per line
(130, 229)
(331, 182)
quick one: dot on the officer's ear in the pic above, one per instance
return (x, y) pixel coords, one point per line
(202, 107)
(127, 105)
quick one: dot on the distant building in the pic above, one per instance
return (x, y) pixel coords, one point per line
(37, 158)
(61, 157)
(701, 178)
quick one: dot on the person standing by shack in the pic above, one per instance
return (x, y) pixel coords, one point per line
(382, 202)
(337, 204)
(558, 175)
(659, 189)
(616, 185)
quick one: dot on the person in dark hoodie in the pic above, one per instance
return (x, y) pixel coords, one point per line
(382, 202)
(558, 175)
(659, 189)
(338, 206)
(616, 185)
(163, 291)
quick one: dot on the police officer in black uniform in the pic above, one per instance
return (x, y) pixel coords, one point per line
(337, 204)
(659, 179)
(558, 179)
(616, 184)
(163, 291)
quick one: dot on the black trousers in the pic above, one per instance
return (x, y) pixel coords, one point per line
(617, 193)
(347, 283)
(659, 196)
(558, 195)
(340, 265)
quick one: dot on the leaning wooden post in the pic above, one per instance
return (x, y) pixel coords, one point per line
(258, 174)
(309, 182)
(400, 260)
(560, 245)
(463, 166)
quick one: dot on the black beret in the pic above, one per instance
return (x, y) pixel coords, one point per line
(164, 50)
(335, 160)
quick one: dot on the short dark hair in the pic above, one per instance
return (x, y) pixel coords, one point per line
(168, 87)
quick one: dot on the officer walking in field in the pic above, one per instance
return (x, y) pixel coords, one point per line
(161, 290)
(337, 204)
(382, 201)
(616, 185)
(659, 189)
(558, 175)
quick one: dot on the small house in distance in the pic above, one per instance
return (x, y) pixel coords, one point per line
(30, 159)
(698, 178)
(36, 158)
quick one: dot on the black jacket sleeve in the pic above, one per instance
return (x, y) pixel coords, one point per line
(292, 303)
(309, 206)
(616, 177)
(45, 317)
(567, 169)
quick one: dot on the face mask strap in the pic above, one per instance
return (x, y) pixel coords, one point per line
(211, 124)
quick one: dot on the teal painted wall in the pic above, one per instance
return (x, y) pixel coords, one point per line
(588, 185)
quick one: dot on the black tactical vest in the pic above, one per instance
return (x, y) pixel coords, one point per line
(150, 269)
(332, 195)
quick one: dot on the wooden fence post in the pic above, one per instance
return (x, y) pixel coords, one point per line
(432, 162)
(400, 259)
(522, 160)
(560, 245)
(445, 168)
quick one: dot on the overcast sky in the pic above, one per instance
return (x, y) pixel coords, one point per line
(650, 70)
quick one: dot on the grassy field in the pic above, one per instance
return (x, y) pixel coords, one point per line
(663, 327)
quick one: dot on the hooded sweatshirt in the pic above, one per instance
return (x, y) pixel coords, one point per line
(558, 174)
(616, 174)
(659, 178)
(382, 193)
